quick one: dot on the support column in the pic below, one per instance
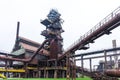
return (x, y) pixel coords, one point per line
(38, 67)
(37, 70)
(26, 70)
(111, 61)
(63, 74)
(55, 72)
(19, 75)
(6, 66)
(47, 74)
(45, 69)
(6, 74)
(74, 67)
(90, 64)
(47, 63)
(82, 65)
(44, 72)
(68, 66)
(105, 60)
(33, 74)
(115, 52)
(40, 73)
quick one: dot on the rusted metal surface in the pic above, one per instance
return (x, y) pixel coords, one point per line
(41, 46)
(68, 67)
(113, 72)
(104, 27)
(28, 41)
(101, 76)
(54, 49)
(24, 60)
(96, 75)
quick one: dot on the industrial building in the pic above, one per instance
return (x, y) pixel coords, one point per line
(49, 60)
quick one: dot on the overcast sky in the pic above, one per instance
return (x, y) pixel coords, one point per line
(79, 17)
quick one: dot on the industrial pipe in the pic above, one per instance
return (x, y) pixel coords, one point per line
(113, 72)
(24, 60)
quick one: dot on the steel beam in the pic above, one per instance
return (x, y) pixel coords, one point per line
(96, 52)
(99, 57)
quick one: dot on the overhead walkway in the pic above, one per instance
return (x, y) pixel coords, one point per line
(96, 52)
(103, 27)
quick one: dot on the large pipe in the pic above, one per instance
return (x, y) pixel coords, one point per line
(113, 72)
(97, 52)
(99, 56)
(41, 46)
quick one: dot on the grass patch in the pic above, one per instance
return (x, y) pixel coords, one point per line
(85, 78)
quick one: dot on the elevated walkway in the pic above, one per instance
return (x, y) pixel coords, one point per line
(103, 27)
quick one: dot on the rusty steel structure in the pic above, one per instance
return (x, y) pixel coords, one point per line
(103, 27)
(23, 60)
(53, 46)
(104, 54)
(113, 73)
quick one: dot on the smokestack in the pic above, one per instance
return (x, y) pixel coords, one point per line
(17, 33)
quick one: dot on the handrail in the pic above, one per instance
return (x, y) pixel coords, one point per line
(96, 27)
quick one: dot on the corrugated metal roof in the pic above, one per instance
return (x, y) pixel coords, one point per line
(28, 40)
(33, 48)
(19, 52)
(28, 47)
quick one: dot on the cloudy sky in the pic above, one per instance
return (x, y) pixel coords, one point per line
(79, 17)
